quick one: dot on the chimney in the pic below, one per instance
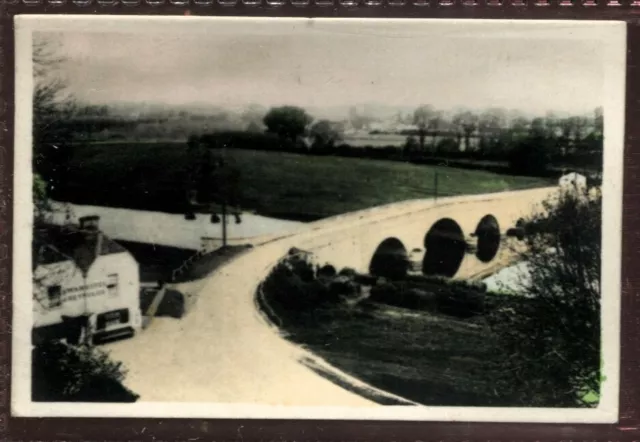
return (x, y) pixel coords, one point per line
(93, 239)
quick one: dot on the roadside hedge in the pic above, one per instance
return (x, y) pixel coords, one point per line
(64, 373)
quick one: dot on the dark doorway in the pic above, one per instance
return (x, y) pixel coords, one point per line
(390, 260)
(445, 247)
(488, 234)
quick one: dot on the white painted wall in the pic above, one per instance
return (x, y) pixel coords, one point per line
(80, 296)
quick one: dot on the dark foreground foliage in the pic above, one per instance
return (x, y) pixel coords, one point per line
(454, 298)
(61, 373)
(297, 285)
(554, 341)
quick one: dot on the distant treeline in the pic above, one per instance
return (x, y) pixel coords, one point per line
(528, 155)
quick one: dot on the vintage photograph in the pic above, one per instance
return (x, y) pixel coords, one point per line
(390, 219)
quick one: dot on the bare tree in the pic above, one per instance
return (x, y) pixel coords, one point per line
(421, 118)
(466, 123)
(53, 107)
(490, 125)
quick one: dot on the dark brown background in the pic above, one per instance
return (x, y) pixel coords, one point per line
(628, 428)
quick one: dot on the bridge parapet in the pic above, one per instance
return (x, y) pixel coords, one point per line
(352, 239)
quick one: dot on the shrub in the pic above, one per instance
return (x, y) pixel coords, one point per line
(369, 280)
(454, 298)
(399, 295)
(293, 285)
(553, 340)
(326, 271)
(343, 287)
(61, 373)
(517, 232)
(460, 302)
(348, 271)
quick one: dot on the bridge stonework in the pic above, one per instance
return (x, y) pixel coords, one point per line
(351, 240)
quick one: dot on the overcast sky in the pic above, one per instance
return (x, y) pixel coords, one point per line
(338, 64)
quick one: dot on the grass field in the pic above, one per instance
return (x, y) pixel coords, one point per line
(151, 176)
(428, 358)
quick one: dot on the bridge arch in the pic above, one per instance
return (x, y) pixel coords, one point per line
(445, 248)
(488, 234)
(390, 260)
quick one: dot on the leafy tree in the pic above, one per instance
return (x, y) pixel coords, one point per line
(519, 126)
(531, 155)
(552, 333)
(411, 146)
(325, 135)
(288, 122)
(254, 127)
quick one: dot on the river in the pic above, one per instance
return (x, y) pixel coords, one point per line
(509, 280)
(171, 230)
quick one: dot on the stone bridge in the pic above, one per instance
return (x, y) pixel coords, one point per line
(455, 237)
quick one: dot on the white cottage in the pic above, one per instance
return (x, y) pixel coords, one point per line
(86, 286)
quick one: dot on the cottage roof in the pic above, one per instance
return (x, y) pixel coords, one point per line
(61, 243)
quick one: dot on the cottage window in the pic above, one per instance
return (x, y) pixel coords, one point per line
(112, 285)
(55, 296)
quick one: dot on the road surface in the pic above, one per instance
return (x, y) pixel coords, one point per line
(224, 351)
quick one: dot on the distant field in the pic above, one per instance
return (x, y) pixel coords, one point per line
(378, 140)
(150, 176)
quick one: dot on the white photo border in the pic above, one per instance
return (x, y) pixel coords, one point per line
(613, 36)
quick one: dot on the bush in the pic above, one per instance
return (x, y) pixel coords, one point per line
(326, 271)
(343, 287)
(347, 271)
(517, 232)
(553, 340)
(457, 300)
(61, 373)
(399, 295)
(460, 302)
(293, 284)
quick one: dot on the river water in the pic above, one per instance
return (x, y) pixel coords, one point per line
(510, 279)
(168, 229)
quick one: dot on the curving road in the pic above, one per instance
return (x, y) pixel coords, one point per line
(224, 351)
